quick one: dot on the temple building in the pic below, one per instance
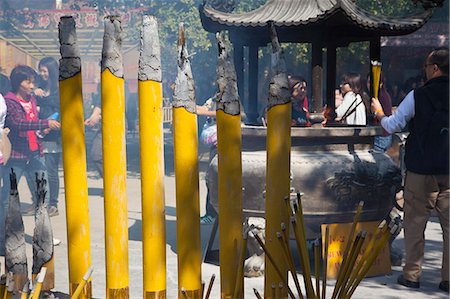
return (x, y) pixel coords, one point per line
(29, 32)
(325, 24)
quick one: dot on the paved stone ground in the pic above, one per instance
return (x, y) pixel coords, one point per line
(376, 287)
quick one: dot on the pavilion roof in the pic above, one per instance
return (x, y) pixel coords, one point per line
(297, 13)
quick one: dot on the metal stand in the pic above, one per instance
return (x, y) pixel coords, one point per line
(212, 237)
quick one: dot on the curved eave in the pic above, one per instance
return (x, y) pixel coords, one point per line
(387, 25)
(282, 13)
(308, 12)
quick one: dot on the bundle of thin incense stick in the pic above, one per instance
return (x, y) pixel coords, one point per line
(355, 264)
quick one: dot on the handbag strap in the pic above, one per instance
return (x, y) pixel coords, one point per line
(349, 112)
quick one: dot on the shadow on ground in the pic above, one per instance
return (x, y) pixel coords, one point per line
(133, 155)
(135, 234)
(95, 191)
(61, 295)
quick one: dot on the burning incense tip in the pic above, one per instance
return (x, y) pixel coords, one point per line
(88, 273)
(150, 56)
(112, 45)
(375, 63)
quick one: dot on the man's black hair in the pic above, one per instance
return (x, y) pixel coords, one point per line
(439, 57)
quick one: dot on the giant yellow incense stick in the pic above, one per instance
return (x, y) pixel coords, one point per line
(25, 289)
(376, 77)
(300, 236)
(83, 282)
(39, 281)
(114, 161)
(325, 262)
(9, 289)
(74, 157)
(278, 162)
(230, 172)
(186, 176)
(3, 285)
(152, 161)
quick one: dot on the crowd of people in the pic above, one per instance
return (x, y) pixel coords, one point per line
(352, 103)
(29, 122)
(30, 134)
(424, 107)
(352, 108)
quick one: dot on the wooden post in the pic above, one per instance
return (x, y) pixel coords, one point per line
(331, 81)
(238, 55)
(317, 77)
(252, 114)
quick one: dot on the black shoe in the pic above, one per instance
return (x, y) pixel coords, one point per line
(444, 285)
(408, 283)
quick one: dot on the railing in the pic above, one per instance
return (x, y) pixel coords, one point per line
(167, 114)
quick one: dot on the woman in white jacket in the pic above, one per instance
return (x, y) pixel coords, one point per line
(352, 111)
(2, 124)
(2, 162)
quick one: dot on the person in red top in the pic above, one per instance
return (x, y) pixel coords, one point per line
(23, 121)
(300, 114)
